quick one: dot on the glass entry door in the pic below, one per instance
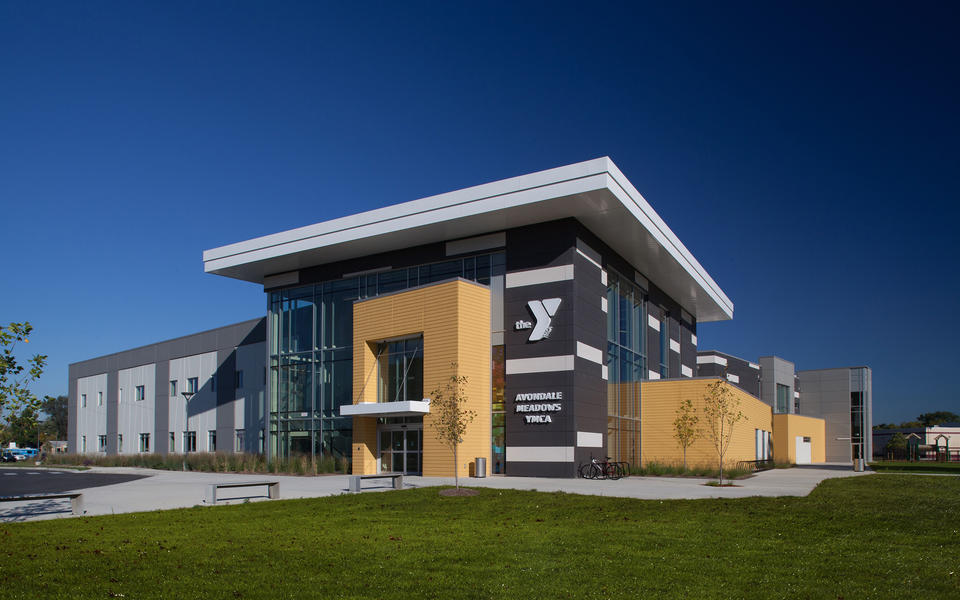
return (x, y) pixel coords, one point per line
(401, 449)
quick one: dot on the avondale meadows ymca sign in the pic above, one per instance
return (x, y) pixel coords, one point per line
(539, 403)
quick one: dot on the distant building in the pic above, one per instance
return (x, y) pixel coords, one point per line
(842, 397)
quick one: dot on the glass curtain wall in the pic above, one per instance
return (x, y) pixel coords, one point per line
(783, 398)
(626, 366)
(311, 351)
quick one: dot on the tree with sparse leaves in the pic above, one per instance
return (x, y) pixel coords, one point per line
(16, 377)
(685, 427)
(721, 411)
(450, 417)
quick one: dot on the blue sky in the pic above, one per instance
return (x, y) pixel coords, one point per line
(807, 154)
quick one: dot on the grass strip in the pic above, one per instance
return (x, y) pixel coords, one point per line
(917, 467)
(858, 537)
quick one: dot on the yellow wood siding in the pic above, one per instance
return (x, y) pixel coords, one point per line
(454, 319)
(660, 400)
(786, 429)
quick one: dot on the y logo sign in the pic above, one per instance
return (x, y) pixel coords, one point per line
(543, 311)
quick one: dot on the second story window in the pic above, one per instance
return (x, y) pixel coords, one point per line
(192, 385)
(400, 366)
(141, 393)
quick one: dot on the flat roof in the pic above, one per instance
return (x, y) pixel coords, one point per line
(594, 192)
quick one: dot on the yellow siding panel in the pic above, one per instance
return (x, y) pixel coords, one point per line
(786, 429)
(454, 319)
(661, 399)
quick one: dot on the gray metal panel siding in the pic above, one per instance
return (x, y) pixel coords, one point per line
(112, 410)
(228, 337)
(826, 394)
(161, 415)
(226, 396)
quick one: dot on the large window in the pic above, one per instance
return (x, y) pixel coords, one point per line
(626, 366)
(311, 353)
(400, 370)
(189, 441)
(783, 398)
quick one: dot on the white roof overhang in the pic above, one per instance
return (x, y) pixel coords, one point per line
(594, 192)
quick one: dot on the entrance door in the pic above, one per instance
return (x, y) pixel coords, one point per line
(803, 450)
(401, 449)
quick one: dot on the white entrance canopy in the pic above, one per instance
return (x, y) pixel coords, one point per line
(407, 408)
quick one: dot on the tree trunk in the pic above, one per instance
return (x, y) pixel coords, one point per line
(684, 459)
(456, 474)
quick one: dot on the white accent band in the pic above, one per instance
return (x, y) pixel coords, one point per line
(733, 378)
(587, 439)
(706, 359)
(603, 277)
(539, 453)
(686, 371)
(589, 352)
(584, 254)
(604, 372)
(653, 322)
(603, 303)
(754, 366)
(653, 375)
(693, 338)
(675, 346)
(540, 364)
(538, 276)
(796, 394)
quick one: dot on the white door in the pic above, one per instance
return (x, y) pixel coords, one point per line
(804, 452)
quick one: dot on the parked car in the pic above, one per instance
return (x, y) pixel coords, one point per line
(8, 457)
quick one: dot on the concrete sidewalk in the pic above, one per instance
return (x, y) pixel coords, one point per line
(173, 489)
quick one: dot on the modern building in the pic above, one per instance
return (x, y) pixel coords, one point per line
(564, 304)
(842, 397)
(134, 401)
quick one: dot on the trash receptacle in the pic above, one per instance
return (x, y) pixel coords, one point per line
(480, 467)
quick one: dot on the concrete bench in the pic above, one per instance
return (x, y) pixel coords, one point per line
(76, 499)
(273, 488)
(355, 480)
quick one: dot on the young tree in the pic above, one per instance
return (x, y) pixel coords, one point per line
(450, 417)
(685, 427)
(721, 411)
(16, 378)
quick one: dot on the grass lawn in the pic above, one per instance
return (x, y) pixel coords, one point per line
(917, 467)
(861, 537)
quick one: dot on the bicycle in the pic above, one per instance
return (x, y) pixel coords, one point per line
(601, 469)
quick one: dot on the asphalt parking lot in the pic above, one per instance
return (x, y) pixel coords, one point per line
(17, 481)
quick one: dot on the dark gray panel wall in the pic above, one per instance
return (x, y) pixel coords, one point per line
(161, 398)
(226, 393)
